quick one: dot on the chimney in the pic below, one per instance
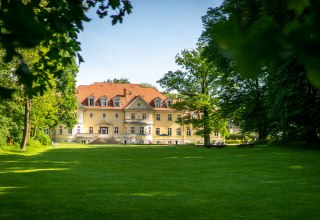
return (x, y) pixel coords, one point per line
(125, 92)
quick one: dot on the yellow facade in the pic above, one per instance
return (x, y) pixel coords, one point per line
(136, 123)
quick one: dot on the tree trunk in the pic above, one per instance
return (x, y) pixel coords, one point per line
(26, 130)
(206, 128)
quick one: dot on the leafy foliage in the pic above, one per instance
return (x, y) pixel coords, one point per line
(120, 80)
(263, 32)
(52, 26)
(264, 83)
(195, 84)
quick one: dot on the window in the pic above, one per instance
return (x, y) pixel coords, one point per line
(141, 130)
(169, 142)
(60, 130)
(157, 131)
(91, 101)
(169, 117)
(158, 103)
(216, 134)
(78, 129)
(116, 130)
(69, 130)
(46, 130)
(158, 117)
(144, 116)
(133, 130)
(103, 101)
(178, 131)
(169, 131)
(169, 103)
(104, 115)
(178, 116)
(138, 104)
(116, 102)
(90, 130)
(188, 132)
(133, 116)
(91, 115)
(116, 115)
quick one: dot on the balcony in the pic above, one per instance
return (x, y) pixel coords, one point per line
(87, 135)
(138, 121)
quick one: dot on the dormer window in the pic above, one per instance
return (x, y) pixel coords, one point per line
(169, 103)
(157, 103)
(91, 101)
(103, 101)
(116, 102)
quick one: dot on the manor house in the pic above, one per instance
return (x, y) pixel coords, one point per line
(126, 113)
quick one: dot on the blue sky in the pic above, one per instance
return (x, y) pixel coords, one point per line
(144, 46)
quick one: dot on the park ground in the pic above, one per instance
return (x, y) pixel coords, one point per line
(70, 181)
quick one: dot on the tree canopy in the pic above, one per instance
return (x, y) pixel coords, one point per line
(53, 27)
(262, 32)
(267, 74)
(196, 87)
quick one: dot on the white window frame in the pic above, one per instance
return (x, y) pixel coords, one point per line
(90, 101)
(60, 130)
(90, 130)
(104, 101)
(141, 130)
(116, 130)
(132, 130)
(169, 117)
(179, 132)
(188, 132)
(144, 116)
(169, 131)
(133, 116)
(116, 102)
(158, 118)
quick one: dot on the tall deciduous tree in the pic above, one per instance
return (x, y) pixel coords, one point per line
(257, 33)
(195, 84)
(50, 24)
(120, 80)
(272, 92)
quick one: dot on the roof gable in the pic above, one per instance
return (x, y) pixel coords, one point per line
(138, 103)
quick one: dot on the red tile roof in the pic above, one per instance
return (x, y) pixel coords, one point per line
(126, 93)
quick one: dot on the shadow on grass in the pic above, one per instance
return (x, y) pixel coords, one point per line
(152, 182)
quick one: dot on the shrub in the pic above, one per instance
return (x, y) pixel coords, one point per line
(3, 139)
(43, 138)
(32, 143)
(233, 141)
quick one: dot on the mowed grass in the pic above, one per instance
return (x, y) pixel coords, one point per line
(156, 182)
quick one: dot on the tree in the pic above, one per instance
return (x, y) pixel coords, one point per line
(148, 85)
(51, 26)
(269, 95)
(119, 81)
(195, 84)
(267, 31)
(57, 104)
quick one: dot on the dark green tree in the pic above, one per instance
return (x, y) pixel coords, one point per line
(196, 87)
(52, 26)
(256, 39)
(120, 80)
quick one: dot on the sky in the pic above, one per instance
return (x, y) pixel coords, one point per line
(144, 46)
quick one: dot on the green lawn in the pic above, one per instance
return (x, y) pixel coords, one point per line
(156, 182)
